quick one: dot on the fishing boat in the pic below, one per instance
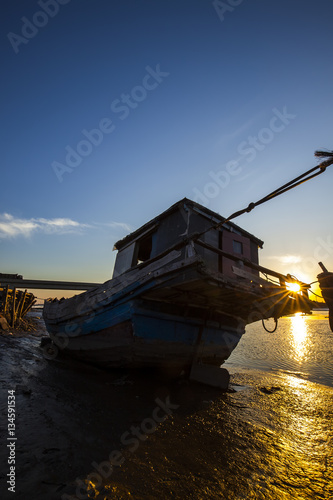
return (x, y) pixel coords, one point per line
(184, 287)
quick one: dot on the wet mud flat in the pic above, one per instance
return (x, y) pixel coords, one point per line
(270, 437)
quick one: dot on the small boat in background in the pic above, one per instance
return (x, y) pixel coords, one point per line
(184, 287)
(326, 286)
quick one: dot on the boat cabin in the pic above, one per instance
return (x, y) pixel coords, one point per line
(222, 249)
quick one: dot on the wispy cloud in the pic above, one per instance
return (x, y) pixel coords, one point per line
(239, 132)
(12, 227)
(117, 225)
(286, 259)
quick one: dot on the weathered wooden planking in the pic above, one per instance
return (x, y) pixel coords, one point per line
(93, 299)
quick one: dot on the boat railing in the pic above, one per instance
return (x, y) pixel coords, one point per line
(284, 280)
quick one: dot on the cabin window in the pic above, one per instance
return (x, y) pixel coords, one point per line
(237, 247)
(143, 250)
(124, 260)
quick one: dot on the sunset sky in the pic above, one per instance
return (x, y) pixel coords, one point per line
(114, 110)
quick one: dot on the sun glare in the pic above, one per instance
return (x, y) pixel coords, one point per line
(293, 287)
(299, 332)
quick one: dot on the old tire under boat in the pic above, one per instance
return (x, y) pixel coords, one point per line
(50, 350)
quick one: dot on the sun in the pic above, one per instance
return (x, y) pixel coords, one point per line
(293, 287)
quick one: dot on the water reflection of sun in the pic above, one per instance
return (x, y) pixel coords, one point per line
(299, 331)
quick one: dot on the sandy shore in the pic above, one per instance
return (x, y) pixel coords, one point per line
(270, 437)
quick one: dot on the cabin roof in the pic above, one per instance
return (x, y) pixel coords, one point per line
(206, 212)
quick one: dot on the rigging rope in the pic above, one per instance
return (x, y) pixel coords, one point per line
(316, 294)
(270, 331)
(309, 174)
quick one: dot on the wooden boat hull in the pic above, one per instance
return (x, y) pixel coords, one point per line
(155, 341)
(165, 315)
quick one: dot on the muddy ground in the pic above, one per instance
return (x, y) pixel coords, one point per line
(269, 437)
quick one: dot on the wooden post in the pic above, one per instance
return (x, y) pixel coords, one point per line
(29, 305)
(4, 302)
(21, 305)
(19, 295)
(13, 308)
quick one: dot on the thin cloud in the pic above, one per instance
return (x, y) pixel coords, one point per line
(244, 177)
(117, 225)
(240, 131)
(286, 259)
(12, 227)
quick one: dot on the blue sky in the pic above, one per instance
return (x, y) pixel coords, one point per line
(217, 101)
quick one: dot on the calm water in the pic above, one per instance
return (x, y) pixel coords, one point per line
(301, 346)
